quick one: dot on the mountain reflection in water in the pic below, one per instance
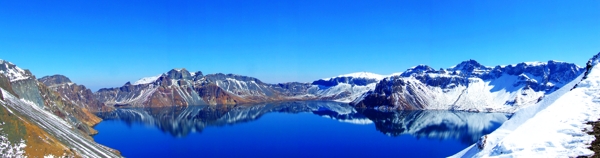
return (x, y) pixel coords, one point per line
(464, 126)
(181, 121)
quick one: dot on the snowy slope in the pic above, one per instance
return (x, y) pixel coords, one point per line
(56, 126)
(553, 127)
(13, 72)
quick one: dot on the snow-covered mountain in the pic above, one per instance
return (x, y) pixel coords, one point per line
(179, 87)
(470, 86)
(36, 118)
(466, 86)
(344, 88)
(557, 126)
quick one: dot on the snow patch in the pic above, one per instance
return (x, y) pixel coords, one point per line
(8, 149)
(367, 75)
(146, 80)
(534, 63)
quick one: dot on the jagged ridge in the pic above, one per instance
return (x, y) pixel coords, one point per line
(470, 86)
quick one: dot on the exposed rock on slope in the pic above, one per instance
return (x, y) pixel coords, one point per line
(470, 86)
(76, 94)
(26, 87)
(32, 106)
(22, 82)
(46, 133)
(174, 88)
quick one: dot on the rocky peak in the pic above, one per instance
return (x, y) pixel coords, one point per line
(419, 69)
(197, 74)
(179, 74)
(469, 66)
(13, 72)
(221, 76)
(54, 80)
(590, 64)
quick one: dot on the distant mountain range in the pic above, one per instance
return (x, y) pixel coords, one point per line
(467, 86)
(55, 108)
(179, 87)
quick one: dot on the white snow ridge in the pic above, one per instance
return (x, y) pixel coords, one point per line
(554, 127)
(367, 75)
(146, 80)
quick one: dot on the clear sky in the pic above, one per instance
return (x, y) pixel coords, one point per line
(107, 43)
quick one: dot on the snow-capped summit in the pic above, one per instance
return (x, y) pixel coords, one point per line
(419, 69)
(176, 74)
(469, 66)
(367, 75)
(345, 88)
(13, 72)
(147, 80)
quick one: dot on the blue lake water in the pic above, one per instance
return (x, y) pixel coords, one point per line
(291, 129)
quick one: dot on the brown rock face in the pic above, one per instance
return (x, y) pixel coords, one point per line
(164, 97)
(65, 109)
(77, 94)
(214, 95)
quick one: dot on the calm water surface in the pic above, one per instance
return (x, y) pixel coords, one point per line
(292, 129)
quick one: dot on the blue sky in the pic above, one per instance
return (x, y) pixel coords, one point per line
(107, 43)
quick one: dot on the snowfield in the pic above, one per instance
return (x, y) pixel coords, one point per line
(554, 127)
